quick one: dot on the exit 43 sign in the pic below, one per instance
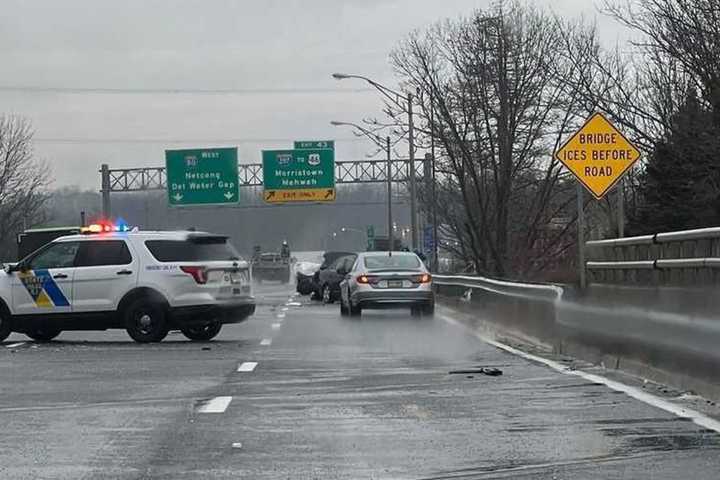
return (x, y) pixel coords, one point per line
(598, 155)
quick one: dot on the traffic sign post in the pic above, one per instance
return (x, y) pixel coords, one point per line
(299, 175)
(206, 176)
(598, 155)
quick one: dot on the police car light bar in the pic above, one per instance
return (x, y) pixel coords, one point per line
(104, 228)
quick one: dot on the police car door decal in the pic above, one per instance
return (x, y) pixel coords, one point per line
(43, 289)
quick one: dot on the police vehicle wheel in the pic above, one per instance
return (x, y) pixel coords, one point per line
(43, 334)
(355, 311)
(5, 329)
(202, 333)
(343, 309)
(145, 321)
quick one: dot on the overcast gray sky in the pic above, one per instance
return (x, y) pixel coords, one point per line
(260, 46)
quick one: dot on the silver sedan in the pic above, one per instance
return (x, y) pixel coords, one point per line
(387, 280)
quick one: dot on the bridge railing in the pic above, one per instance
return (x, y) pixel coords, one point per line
(689, 257)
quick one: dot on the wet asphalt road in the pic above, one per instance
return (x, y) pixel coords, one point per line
(328, 398)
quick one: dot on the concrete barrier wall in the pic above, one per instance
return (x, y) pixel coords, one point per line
(670, 335)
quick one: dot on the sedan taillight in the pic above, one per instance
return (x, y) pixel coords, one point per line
(198, 273)
(424, 278)
(366, 279)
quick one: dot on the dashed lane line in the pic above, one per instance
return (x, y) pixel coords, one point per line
(275, 326)
(633, 392)
(247, 366)
(215, 405)
(266, 342)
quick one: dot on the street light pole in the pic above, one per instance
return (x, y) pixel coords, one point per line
(391, 240)
(396, 98)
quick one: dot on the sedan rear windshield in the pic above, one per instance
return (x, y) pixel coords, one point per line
(376, 262)
(214, 249)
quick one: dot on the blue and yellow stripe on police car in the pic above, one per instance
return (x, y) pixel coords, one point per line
(43, 289)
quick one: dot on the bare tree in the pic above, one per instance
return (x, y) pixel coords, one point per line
(501, 105)
(23, 182)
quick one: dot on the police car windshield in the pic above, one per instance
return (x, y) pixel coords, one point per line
(192, 251)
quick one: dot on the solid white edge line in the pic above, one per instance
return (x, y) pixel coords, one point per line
(215, 405)
(266, 342)
(247, 366)
(13, 345)
(633, 392)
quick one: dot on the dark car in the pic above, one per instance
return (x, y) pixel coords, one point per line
(328, 259)
(329, 278)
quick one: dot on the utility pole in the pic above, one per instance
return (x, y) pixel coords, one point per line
(391, 240)
(413, 199)
(436, 248)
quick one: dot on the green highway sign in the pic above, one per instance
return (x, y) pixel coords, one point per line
(299, 175)
(202, 176)
(314, 144)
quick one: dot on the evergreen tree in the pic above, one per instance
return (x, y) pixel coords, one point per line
(680, 187)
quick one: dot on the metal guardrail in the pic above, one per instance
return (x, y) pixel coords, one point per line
(502, 287)
(658, 238)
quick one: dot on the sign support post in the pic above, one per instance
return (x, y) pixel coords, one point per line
(621, 208)
(581, 234)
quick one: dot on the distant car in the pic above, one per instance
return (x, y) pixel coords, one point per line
(329, 278)
(387, 280)
(304, 273)
(328, 259)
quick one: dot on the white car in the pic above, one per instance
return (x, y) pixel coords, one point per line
(387, 280)
(145, 282)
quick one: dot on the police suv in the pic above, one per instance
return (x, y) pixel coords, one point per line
(109, 276)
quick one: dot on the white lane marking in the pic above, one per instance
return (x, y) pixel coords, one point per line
(633, 392)
(237, 445)
(266, 342)
(280, 315)
(14, 345)
(285, 309)
(215, 405)
(294, 304)
(275, 326)
(247, 366)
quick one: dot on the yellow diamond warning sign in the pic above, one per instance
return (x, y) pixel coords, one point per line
(598, 155)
